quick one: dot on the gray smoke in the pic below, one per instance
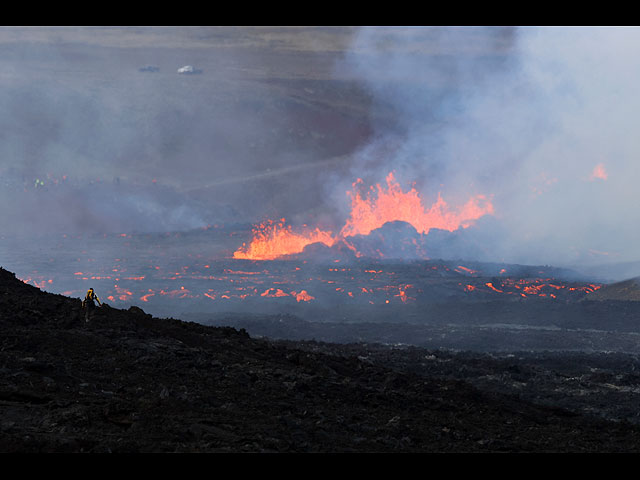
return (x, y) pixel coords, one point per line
(525, 115)
(275, 127)
(121, 147)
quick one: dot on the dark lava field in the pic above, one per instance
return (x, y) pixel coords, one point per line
(130, 382)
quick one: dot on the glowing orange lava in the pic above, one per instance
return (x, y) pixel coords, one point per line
(272, 240)
(465, 269)
(303, 296)
(272, 292)
(391, 204)
(145, 298)
(599, 173)
(402, 293)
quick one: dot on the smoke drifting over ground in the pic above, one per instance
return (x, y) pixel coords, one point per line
(80, 111)
(280, 123)
(538, 118)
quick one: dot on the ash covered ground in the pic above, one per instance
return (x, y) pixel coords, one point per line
(440, 368)
(330, 296)
(125, 174)
(333, 297)
(130, 382)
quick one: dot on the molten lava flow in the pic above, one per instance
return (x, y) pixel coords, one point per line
(145, 298)
(123, 293)
(239, 272)
(599, 173)
(402, 293)
(391, 204)
(273, 240)
(303, 296)
(272, 292)
(536, 287)
(40, 284)
(465, 269)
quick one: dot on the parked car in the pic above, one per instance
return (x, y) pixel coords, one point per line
(188, 70)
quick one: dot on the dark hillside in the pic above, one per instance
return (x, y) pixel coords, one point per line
(128, 382)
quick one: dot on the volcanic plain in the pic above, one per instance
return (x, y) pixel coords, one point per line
(130, 382)
(196, 350)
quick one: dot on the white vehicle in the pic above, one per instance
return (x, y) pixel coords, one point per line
(188, 70)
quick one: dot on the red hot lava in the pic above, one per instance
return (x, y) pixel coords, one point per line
(391, 204)
(302, 283)
(272, 240)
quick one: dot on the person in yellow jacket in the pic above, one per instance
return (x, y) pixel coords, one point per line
(88, 304)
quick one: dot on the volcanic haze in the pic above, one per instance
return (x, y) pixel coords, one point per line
(102, 134)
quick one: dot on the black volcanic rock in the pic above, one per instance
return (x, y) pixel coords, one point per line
(128, 382)
(627, 290)
(396, 239)
(319, 252)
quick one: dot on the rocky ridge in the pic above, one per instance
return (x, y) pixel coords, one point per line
(129, 382)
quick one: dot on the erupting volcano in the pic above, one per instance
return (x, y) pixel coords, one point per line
(391, 204)
(377, 258)
(272, 240)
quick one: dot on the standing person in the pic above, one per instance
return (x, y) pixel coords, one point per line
(88, 304)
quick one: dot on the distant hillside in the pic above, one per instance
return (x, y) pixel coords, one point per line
(626, 290)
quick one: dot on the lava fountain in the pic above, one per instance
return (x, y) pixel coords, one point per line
(391, 204)
(272, 240)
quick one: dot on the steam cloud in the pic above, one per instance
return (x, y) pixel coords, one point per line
(540, 118)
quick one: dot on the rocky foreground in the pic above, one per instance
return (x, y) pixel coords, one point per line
(128, 382)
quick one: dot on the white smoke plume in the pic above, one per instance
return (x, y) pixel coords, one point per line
(541, 119)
